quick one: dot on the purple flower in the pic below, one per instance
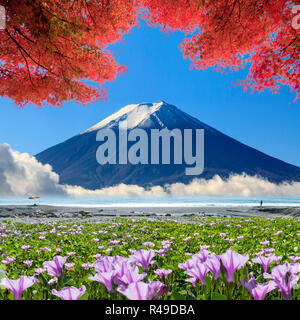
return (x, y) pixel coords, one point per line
(25, 248)
(18, 286)
(187, 239)
(199, 271)
(55, 267)
(28, 263)
(279, 275)
(8, 260)
(264, 261)
(162, 272)
(192, 281)
(39, 270)
(205, 247)
(265, 243)
(161, 252)
(144, 291)
(232, 261)
(104, 264)
(214, 265)
(86, 265)
(69, 266)
(69, 293)
(106, 278)
(186, 265)
(143, 258)
(127, 274)
(258, 290)
(294, 259)
(201, 256)
(149, 244)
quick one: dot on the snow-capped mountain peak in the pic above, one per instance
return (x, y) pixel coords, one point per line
(133, 113)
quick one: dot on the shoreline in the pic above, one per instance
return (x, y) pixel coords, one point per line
(31, 213)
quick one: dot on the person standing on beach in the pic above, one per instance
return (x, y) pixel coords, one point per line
(261, 203)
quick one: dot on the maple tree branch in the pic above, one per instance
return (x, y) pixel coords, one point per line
(88, 9)
(23, 35)
(22, 49)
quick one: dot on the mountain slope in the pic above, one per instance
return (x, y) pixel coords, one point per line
(75, 159)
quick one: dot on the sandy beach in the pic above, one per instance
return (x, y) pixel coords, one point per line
(30, 213)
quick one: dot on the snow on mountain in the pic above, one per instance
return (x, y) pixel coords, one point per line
(133, 113)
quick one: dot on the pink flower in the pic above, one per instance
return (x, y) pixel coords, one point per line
(28, 263)
(284, 283)
(265, 261)
(232, 261)
(86, 265)
(258, 290)
(144, 291)
(8, 260)
(199, 271)
(106, 278)
(39, 270)
(55, 267)
(187, 239)
(214, 265)
(127, 274)
(18, 286)
(162, 272)
(143, 258)
(70, 293)
(149, 244)
(265, 243)
(69, 266)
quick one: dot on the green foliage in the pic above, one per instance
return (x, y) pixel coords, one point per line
(91, 240)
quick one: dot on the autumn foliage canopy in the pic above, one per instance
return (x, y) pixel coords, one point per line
(54, 51)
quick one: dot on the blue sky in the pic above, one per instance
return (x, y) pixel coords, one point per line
(157, 71)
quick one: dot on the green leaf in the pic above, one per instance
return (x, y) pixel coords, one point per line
(218, 296)
(208, 283)
(177, 296)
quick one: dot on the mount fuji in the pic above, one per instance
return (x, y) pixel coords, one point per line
(75, 159)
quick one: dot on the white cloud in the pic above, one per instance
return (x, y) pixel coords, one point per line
(237, 185)
(21, 175)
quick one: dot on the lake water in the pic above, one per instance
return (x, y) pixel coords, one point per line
(152, 202)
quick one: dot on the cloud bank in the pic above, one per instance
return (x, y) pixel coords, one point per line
(237, 185)
(22, 175)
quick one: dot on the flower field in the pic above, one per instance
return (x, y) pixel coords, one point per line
(187, 258)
